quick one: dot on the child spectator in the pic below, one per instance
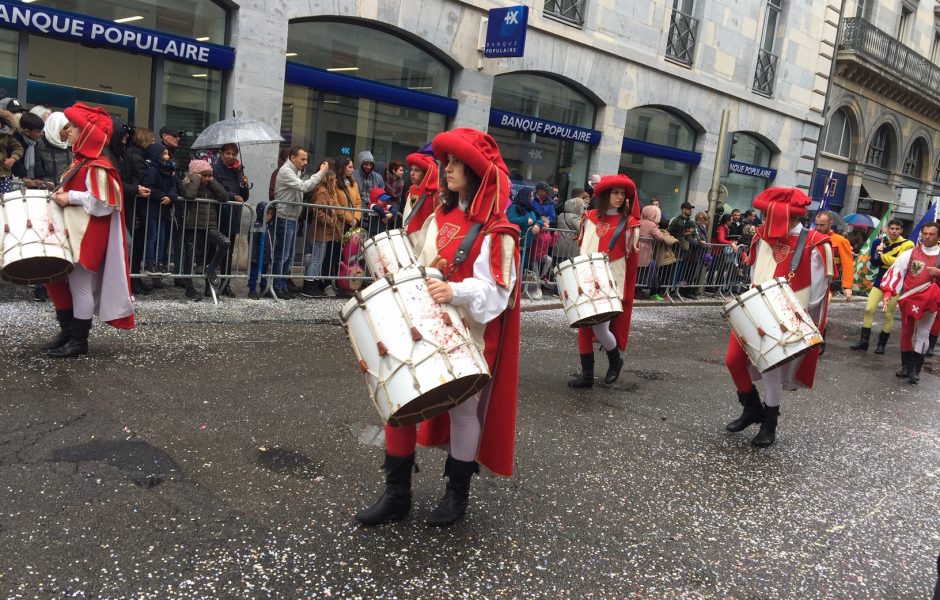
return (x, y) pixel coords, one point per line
(385, 209)
(164, 190)
(262, 238)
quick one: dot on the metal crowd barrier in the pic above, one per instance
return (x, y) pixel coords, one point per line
(701, 268)
(328, 241)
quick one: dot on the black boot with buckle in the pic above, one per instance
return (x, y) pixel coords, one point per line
(586, 378)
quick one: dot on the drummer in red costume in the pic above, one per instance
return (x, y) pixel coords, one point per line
(422, 198)
(484, 288)
(771, 253)
(616, 201)
(914, 277)
(91, 199)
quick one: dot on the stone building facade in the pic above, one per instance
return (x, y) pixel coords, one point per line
(884, 111)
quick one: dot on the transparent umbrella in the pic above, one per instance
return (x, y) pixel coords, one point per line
(236, 130)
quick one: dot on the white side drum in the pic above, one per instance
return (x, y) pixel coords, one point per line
(417, 355)
(389, 252)
(771, 324)
(588, 290)
(36, 248)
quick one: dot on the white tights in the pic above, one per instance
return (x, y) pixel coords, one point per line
(922, 333)
(82, 283)
(465, 430)
(604, 336)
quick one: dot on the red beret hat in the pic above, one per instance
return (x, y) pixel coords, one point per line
(420, 160)
(609, 182)
(794, 198)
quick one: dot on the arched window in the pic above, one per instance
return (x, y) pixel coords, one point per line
(333, 106)
(881, 148)
(743, 186)
(367, 53)
(658, 126)
(532, 156)
(914, 161)
(838, 135)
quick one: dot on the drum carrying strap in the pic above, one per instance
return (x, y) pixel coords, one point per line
(465, 246)
(414, 210)
(617, 233)
(798, 253)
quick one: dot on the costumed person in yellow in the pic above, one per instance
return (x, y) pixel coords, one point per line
(612, 227)
(884, 251)
(92, 203)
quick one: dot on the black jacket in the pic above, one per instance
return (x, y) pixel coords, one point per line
(51, 162)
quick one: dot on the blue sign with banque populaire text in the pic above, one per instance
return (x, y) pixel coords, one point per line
(505, 32)
(108, 34)
(508, 120)
(751, 170)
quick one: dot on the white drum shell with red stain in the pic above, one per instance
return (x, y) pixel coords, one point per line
(771, 324)
(36, 247)
(389, 252)
(588, 290)
(410, 380)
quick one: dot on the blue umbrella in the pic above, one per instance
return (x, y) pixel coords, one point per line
(861, 220)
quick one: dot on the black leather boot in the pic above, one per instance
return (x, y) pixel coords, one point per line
(882, 342)
(586, 378)
(64, 317)
(933, 342)
(862, 343)
(768, 427)
(615, 365)
(78, 342)
(395, 502)
(917, 362)
(453, 505)
(906, 358)
(753, 411)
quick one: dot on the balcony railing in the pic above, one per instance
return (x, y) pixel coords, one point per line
(879, 47)
(681, 44)
(570, 11)
(765, 73)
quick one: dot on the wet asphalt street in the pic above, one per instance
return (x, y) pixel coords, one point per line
(221, 452)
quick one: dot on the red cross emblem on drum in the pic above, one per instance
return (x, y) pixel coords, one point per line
(446, 234)
(781, 252)
(602, 229)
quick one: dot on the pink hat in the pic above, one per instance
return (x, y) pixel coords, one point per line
(197, 167)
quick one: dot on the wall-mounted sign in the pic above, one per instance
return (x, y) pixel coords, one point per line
(508, 120)
(108, 34)
(505, 32)
(751, 170)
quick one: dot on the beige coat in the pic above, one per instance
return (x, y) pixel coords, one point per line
(329, 225)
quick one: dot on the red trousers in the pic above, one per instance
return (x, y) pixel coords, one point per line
(737, 362)
(401, 441)
(60, 294)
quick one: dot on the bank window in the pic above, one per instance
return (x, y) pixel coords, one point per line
(192, 100)
(742, 189)
(543, 97)
(879, 151)
(838, 135)
(766, 71)
(569, 11)
(682, 31)
(9, 57)
(914, 162)
(203, 20)
(657, 126)
(351, 49)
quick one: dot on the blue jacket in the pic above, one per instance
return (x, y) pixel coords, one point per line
(545, 210)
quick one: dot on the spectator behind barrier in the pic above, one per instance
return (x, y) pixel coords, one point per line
(366, 178)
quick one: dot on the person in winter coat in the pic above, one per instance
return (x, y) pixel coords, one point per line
(163, 184)
(651, 238)
(201, 223)
(135, 212)
(544, 205)
(395, 183)
(570, 219)
(228, 171)
(521, 213)
(29, 134)
(326, 236)
(11, 151)
(366, 177)
(53, 155)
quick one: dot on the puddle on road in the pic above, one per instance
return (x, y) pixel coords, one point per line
(368, 435)
(288, 462)
(144, 465)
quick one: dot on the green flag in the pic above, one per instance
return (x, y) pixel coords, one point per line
(864, 272)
